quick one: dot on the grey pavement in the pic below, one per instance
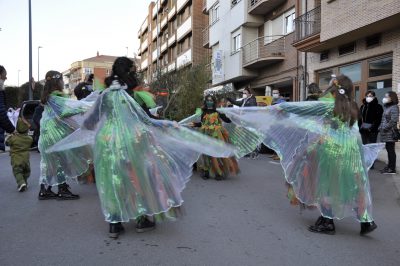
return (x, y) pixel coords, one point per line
(245, 220)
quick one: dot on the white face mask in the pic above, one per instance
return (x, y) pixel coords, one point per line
(385, 100)
(275, 95)
(369, 99)
(245, 96)
(1, 84)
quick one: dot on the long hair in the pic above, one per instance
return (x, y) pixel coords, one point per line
(209, 96)
(123, 73)
(345, 108)
(53, 83)
(394, 100)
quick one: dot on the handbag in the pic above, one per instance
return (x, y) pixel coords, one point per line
(395, 134)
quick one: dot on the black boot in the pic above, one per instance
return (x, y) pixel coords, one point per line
(367, 227)
(323, 226)
(115, 230)
(144, 224)
(219, 177)
(205, 175)
(65, 194)
(45, 194)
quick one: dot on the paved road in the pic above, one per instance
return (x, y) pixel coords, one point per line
(245, 220)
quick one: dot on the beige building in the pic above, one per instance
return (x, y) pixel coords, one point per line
(100, 66)
(360, 39)
(251, 45)
(171, 36)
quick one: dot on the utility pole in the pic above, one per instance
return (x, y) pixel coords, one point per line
(38, 65)
(30, 79)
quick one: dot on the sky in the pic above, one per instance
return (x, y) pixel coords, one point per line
(68, 31)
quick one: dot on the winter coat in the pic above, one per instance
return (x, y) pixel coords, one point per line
(390, 118)
(371, 113)
(20, 144)
(251, 101)
(5, 123)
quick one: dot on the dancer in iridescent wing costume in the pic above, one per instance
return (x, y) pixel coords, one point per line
(141, 164)
(211, 125)
(60, 118)
(321, 153)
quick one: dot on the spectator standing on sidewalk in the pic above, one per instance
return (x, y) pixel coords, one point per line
(390, 118)
(5, 123)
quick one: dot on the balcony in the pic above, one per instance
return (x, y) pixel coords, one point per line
(171, 13)
(164, 47)
(171, 67)
(154, 55)
(308, 29)
(184, 59)
(204, 8)
(181, 4)
(144, 45)
(164, 22)
(144, 64)
(262, 7)
(184, 29)
(206, 37)
(171, 40)
(264, 51)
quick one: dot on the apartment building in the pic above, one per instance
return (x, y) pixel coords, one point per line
(251, 45)
(171, 36)
(360, 39)
(100, 66)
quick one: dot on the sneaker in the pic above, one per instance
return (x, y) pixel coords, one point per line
(389, 172)
(65, 194)
(45, 194)
(22, 187)
(384, 170)
(325, 227)
(115, 230)
(367, 228)
(143, 225)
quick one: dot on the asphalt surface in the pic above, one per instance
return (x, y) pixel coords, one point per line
(245, 220)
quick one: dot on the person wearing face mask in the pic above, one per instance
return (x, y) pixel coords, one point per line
(276, 97)
(370, 120)
(5, 123)
(211, 125)
(247, 100)
(389, 121)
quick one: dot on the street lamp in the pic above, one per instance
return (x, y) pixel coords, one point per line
(19, 70)
(38, 58)
(126, 51)
(30, 52)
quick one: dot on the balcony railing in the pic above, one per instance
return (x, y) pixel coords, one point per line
(206, 36)
(263, 51)
(308, 24)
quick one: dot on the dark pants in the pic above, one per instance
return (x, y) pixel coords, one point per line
(369, 137)
(391, 155)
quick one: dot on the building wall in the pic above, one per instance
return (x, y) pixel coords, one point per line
(390, 43)
(350, 15)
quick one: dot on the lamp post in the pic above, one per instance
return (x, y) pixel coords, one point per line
(30, 52)
(19, 70)
(38, 65)
(126, 51)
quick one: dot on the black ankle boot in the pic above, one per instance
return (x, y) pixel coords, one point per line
(115, 230)
(219, 177)
(205, 175)
(323, 226)
(65, 194)
(144, 224)
(45, 194)
(367, 227)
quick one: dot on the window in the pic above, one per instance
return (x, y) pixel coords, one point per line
(214, 12)
(324, 78)
(289, 21)
(347, 49)
(236, 42)
(352, 71)
(324, 56)
(373, 41)
(380, 67)
(88, 70)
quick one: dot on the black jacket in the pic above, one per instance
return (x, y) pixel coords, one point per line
(247, 102)
(371, 113)
(5, 123)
